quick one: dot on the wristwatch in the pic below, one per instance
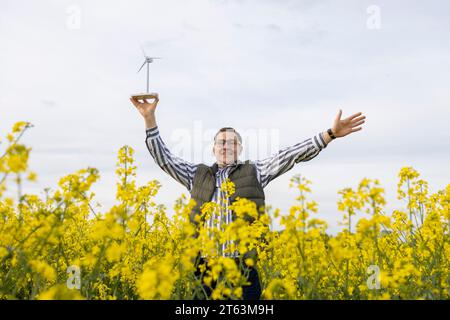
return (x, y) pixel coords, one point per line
(330, 133)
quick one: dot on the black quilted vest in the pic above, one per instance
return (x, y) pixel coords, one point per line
(243, 175)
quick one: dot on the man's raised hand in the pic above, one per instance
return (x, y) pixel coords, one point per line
(146, 108)
(343, 127)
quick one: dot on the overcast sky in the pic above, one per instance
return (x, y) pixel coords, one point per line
(278, 71)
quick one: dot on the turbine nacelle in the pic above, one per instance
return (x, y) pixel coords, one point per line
(148, 60)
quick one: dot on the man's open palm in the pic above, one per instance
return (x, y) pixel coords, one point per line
(343, 127)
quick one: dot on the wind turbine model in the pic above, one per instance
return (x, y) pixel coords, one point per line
(147, 94)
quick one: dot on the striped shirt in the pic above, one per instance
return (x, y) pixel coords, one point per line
(266, 170)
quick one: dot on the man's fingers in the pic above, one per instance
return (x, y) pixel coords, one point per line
(155, 98)
(339, 114)
(134, 102)
(353, 116)
(356, 129)
(355, 124)
(141, 106)
(358, 119)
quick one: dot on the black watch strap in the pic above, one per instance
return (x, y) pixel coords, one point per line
(331, 134)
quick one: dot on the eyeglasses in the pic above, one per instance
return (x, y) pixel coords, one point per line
(230, 143)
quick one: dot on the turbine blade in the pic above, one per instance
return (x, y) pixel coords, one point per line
(143, 51)
(142, 65)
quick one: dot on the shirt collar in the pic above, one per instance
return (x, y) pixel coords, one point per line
(231, 164)
(216, 168)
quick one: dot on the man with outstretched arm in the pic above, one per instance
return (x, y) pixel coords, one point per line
(250, 177)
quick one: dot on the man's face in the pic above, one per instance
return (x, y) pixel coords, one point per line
(226, 148)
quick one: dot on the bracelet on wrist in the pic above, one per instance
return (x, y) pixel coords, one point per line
(330, 133)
